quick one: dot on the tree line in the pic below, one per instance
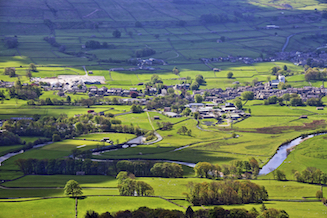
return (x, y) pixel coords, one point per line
(92, 44)
(311, 175)
(228, 192)
(70, 127)
(215, 212)
(147, 168)
(62, 166)
(128, 186)
(75, 163)
(237, 169)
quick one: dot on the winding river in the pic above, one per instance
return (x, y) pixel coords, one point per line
(281, 154)
(273, 163)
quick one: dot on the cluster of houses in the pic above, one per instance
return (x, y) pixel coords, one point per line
(261, 92)
(298, 58)
(211, 111)
(301, 58)
(6, 84)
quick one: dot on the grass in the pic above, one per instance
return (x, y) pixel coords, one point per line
(122, 137)
(60, 181)
(49, 207)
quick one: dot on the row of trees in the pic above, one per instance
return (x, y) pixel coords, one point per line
(138, 168)
(92, 44)
(235, 170)
(147, 168)
(276, 70)
(311, 175)
(167, 170)
(128, 186)
(58, 166)
(228, 192)
(215, 212)
(69, 127)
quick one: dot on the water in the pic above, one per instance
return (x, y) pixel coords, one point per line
(281, 155)
(9, 155)
(137, 140)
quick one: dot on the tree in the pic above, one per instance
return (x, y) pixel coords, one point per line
(175, 71)
(247, 95)
(202, 169)
(10, 71)
(87, 102)
(91, 214)
(48, 101)
(199, 79)
(238, 104)
(194, 86)
(136, 108)
(72, 188)
(156, 36)
(268, 78)
(56, 138)
(182, 130)
(138, 24)
(280, 175)
(171, 91)
(189, 212)
(286, 97)
(263, 207)
(116, 34)
(68, 99)
(198, 98)
(274, 70)
(319, 194)
(11, 42)
(32, 67)
(230, 75)
(79, 126)
(28, 73)
(196, 115)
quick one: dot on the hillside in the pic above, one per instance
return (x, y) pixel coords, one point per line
(179, 31)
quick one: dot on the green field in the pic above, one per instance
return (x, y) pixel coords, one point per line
(181, 36)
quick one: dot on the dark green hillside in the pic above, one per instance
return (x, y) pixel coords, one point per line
(180, 32)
